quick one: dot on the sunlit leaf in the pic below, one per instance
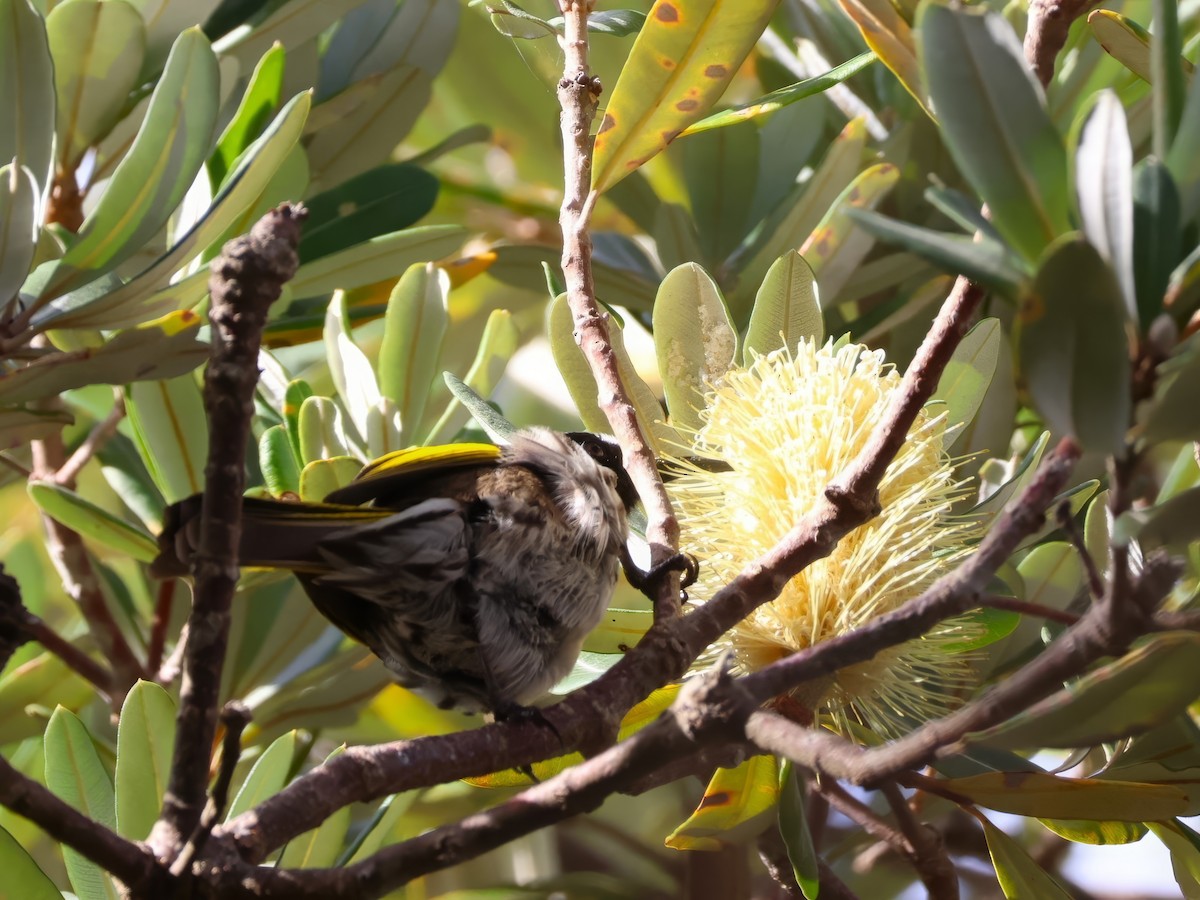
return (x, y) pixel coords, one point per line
(413, 331)
(267, 776)
(22, 876)
(733, 806)
(26, 90)
(889, 35)
(684, 56)
(1054, 797)
(786, 309)
(145, 743)
(93, 522)
(969, 373)
(386, 256)
(1083, 831)
(171, 431)
(694, 340)
(258, 103)
(18, 226)
(793, 828)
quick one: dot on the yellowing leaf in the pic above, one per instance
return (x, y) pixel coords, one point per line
(733, 807)
(683, 58)
(1051, 796)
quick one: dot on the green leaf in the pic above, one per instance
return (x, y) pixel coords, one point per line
(1184, 846)
(145, 743)
(667, 82)
(321, 477)
(298, 390)
(786, 308)
(1156, 227)
(1104, 190)
(619, 630)
(80, 515)
(414, 328)
(19, 426)
(1144, 688)
(988, 262)
(319, 848)
(1124, 40)
(386, 256)
(348, 366)
(796, 217)
(267, 776)
(148, 185)
(514, 22)
(98, 50)
(1174, 414)
(985, 627)
(18, 227)
(147, 294)
(280, 467)
(1020, 877)
(26, 91)
(676, 239)
(74, 772)
(322, 434)
(1073, 351)
(499, 342)
(22, 876)
(889, 35)
(1169, 88)
(1054, 797)
(163, 348)
(171, 431)
(793, 828)
(498, 428)
(1085, 831)
(391, 810)
(369, 131)
(577, 374)
(733, 807)
(969, 372)
(785, 96)
(383, 200)
(994, 122)
(694, 340)
(258, 103)
(24, 689)
(837, 245)
(1173, 524)
(721, 170)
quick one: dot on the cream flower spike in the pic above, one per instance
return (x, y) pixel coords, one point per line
(786, 426)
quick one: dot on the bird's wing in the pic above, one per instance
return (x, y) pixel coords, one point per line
(394, 474)
(407, 561)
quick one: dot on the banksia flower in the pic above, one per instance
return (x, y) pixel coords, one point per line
(785, 426)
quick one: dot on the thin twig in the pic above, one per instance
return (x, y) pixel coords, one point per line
(578, 92)
(101, 677)
(97, 438)
(1066, 522)
(160, 623)
(1025, 608)
(235, 716)
(929, 855)
(246, 279)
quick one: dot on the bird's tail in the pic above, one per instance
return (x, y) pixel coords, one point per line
(276, 534)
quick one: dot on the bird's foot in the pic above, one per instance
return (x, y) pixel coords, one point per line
(648, 581)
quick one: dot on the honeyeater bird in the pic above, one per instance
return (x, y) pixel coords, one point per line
(472, 571)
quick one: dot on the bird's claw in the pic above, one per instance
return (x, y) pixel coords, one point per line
(648, 581)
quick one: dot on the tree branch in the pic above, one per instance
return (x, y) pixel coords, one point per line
(246, 279)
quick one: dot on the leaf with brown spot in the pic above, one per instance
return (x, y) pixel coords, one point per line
(680, 64)
(735, 806)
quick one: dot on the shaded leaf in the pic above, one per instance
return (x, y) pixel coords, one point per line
(26, 90)
(19, 425)
(1082, 831)
(1104, 190)
(163, 348)
(1142, 689)
(1054, 797)
(386, 256)
(1174, 414)
(22, 876)
(721, 170)
(1156, 247)
(1073, 351)
(499, 342)
(994, 123)
(319, 848)
(969, 372)
(793, 827)
(1020, 877)
(498, 428)
(18, 227)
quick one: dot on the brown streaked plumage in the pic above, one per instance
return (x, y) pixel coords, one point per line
(474, 573)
